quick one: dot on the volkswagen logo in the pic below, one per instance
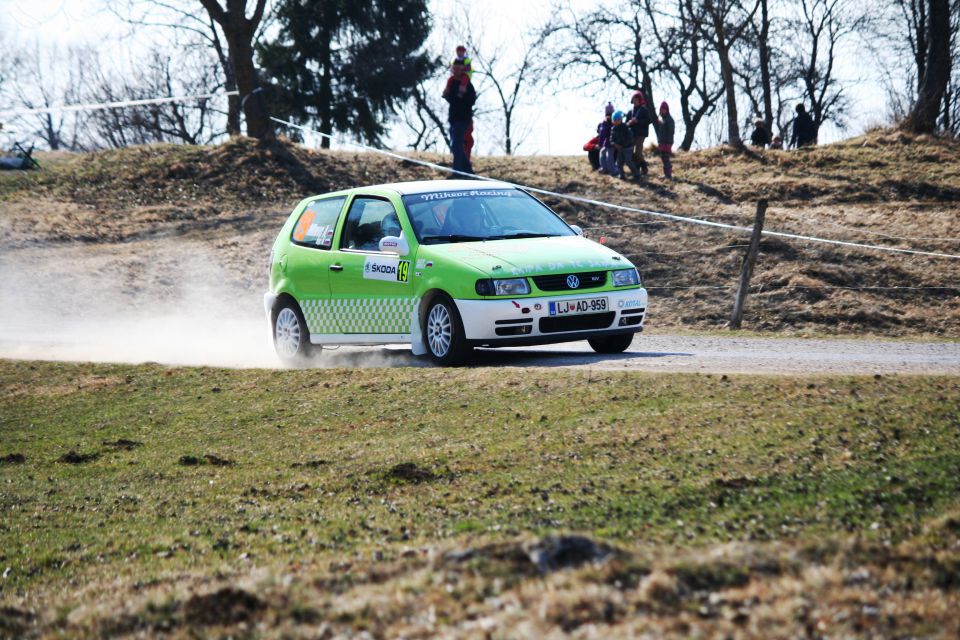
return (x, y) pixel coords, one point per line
(573, 281)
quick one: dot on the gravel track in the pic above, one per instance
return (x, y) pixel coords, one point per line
(661, 353)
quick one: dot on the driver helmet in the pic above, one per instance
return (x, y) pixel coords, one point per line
(390, 225)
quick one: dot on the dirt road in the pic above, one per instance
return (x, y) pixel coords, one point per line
(701, 354)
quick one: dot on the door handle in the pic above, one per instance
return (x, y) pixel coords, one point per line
(336, 267)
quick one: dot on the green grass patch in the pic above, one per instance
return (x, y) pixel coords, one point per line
(142, 470)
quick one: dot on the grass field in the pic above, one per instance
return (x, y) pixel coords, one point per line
(145, 499)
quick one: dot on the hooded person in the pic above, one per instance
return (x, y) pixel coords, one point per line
(621, 139)
(665, 131)
(804, 130)
(608, 158)
(639, 121)
(761, 135)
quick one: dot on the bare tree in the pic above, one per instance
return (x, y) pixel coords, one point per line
(936, 76)
(44, 78)
(239, 32)
(822, 27)
(683, 58)
(729, 20)
(189, 29)
(422, 115)
(758, 52)
(604, 46)
(160, 74)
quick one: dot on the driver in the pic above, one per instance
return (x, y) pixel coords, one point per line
(390, 225)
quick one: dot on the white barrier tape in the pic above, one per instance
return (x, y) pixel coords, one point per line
(677, 253)
(762, 288)
(609, 205)
(112, 105)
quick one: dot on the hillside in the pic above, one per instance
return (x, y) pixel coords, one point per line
(120, 211)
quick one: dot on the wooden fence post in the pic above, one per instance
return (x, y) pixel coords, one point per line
(747, 271)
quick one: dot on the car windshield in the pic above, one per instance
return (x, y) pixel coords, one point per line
(481, 214)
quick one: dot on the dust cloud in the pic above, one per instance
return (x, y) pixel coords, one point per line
(171, 302)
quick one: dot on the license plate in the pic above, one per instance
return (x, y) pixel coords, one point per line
(583, 305)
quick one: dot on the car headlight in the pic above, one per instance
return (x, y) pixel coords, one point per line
(626, 277)
(508, 287)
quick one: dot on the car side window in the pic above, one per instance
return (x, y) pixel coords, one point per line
(368, 221)
(317, 223)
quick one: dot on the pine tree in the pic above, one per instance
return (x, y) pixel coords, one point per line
(345, 65)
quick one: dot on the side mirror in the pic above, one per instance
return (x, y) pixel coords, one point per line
(577, 228)
(395, 244)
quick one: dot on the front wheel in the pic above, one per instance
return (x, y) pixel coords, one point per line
(443, 333)
(291, 338)
(611, 344)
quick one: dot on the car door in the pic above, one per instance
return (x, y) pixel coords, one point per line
(308, 261)
(371, 290)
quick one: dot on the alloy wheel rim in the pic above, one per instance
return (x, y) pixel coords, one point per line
(439, 330)
(287, 333)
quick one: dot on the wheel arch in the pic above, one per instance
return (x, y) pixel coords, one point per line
(281, 300)
(427, 299)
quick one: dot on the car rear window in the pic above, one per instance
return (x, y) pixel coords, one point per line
(318, 222)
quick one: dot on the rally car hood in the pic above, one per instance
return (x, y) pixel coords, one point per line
(528, 256)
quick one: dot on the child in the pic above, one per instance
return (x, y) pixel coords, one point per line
(622, 140)
(462, 61)
(608, 162)
(665, 130)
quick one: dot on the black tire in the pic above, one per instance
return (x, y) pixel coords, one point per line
(443, 333)
(291, 338)
(611, 344)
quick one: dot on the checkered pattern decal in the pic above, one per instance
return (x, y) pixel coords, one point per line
(359, 315)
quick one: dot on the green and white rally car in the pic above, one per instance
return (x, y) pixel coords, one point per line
(446, 266)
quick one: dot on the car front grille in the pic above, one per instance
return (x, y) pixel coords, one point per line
(577, 323)
(558, 282)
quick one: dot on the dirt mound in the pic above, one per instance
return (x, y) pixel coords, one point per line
(224, 607)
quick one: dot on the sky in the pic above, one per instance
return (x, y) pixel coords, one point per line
(558, 125)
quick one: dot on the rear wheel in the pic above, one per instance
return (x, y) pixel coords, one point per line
(443, 333)
(611, 344)
(291, 338)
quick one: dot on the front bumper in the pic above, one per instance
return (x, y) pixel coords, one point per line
(505, 321)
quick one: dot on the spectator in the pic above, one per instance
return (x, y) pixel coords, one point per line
(761, 135)
(777, 143)
(665, 130)
(460, 116)
(621, 139)
(608, 160)
(804, 131)
(592, 148)
(639, 122)
(460, 82)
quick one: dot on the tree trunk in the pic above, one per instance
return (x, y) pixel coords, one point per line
(764, 52)
(233, 102)
(238, 30)
(325, 107)
(726, 72)
(259, 124)
(730, 89)
(923, 116)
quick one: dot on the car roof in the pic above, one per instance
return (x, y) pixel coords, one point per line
(433, 186)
